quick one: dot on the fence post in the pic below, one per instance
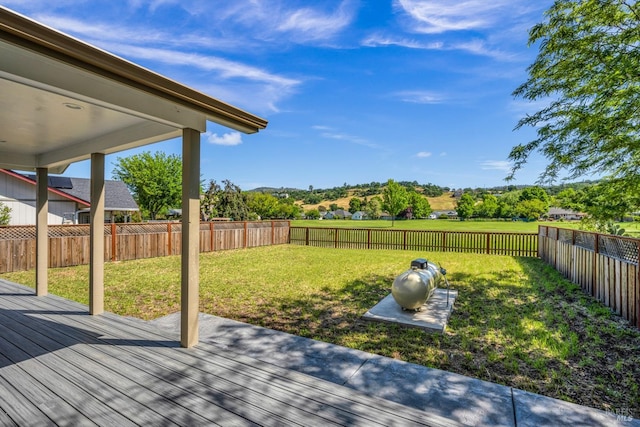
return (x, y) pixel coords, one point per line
(404, 240)
(306, 236)
(488, 243)
(336, 238)
(273, 232)
(369, 239)
(444, 241)
(113, 242)
(169, 239)
(245, 234)
(557, 244)
(212, 240)
(637, 290)
(594, 270)
(539, 237)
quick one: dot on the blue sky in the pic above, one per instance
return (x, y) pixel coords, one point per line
(354, 91)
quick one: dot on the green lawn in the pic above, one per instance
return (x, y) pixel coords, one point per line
(516, 321)
(632, 228)
(427, 224)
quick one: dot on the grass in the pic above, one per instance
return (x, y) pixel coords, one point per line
(516, 322)
(429, 224)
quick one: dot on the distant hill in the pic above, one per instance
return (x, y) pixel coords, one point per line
(270, 190)
(440, 198)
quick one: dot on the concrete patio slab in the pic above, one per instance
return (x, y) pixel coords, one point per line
(433, 316)
(533, 410)
(463, 399)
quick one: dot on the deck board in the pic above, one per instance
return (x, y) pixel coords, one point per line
(61, 366)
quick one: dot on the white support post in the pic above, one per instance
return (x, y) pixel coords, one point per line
(190, 302)
(96, 267)
(42, 231)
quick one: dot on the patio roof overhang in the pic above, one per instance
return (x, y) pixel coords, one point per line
(63, 99)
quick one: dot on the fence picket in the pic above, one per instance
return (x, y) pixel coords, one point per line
(606, 267)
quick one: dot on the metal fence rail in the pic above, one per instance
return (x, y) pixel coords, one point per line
(517, 244)
(603, 265)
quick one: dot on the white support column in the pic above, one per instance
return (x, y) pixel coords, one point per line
(190, 301)
(42, 231)
(96, 266)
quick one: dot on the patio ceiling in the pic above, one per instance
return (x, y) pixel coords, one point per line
(62, 99)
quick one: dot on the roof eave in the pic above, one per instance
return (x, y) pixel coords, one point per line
(22, 31)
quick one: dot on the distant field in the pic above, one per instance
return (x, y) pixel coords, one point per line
(430, 224)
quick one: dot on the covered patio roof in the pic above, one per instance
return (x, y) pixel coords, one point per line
(63, 100)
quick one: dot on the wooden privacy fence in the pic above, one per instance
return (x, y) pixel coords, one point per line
(517, 244)
(69, 244)
(605, 266)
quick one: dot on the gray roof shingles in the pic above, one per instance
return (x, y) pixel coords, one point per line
(117, 195)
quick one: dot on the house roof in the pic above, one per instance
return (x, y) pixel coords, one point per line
(561, 211)
(117, 195)
(63, 99)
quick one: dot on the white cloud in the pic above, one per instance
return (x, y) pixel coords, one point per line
(278, 21)
(229, 139)
(439, 16)
(420, 97)
(140, 35)
(349, 138)
(501, 165)
(474, 47)
(423, 154)
(310, 24)
(229, 80)
(392, 40)
(224, 67)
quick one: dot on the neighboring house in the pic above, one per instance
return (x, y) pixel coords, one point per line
(565, 214)
(359, 215)
(385, 215)
(68, 199)
(439, 214)
(337, 214)
(341, 214)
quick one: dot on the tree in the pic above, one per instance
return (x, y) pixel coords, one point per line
(266, 206)
(531, 209)
(355, 205)
(606, 201)
(154, 180)
(419, 204)
(489, 206)
(534, 193)
(5, 214)
(227, 202)
(465, 206)
(394, 199)
(374, 208)
(587, 72)
(312, 214)
(507, 204)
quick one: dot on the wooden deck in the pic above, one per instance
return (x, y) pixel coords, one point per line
(61, 366)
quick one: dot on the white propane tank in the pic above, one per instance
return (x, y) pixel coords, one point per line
(413, 288)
